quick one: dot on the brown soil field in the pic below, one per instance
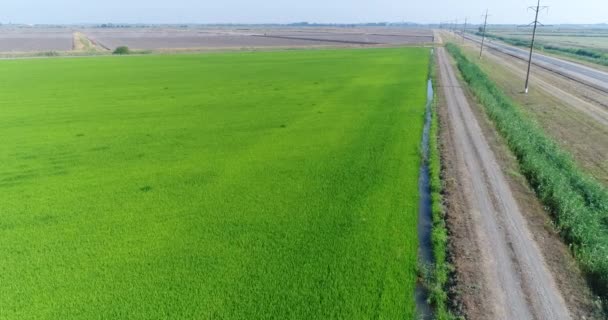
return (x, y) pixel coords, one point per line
(38, 39)
(151, 39)
(35, 39)
(377, 35)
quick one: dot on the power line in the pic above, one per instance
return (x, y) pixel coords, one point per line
(483, 35)
(464, 29)
(537, 9)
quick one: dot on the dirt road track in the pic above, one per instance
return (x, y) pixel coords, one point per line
(515, 282)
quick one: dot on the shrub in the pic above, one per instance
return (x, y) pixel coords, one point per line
(578, 203)
(122, 50)
(49, 54)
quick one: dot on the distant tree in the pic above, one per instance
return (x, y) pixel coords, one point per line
(49, 53)
(122, 50)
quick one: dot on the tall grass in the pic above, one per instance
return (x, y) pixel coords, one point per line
(578, 203)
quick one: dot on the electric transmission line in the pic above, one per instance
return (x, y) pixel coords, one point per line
(537, 10)
(464, 29)
(483, 32)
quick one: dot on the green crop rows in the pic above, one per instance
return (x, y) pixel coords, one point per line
(266, 185)
(579, 203)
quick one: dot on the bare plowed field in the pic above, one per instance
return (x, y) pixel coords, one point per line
(157, 38)
(25, 40)
(150, 39)
(174, 40)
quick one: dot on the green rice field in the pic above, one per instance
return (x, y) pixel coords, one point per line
(245, 185)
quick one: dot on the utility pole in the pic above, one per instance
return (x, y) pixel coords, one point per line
(464, 29)
(483, 34)
(537, 9)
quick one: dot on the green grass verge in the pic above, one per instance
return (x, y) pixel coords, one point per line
(578, 203)
(248, 185)
(439, 235)
(589, 55)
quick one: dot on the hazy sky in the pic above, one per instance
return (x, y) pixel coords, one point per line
(284, 11)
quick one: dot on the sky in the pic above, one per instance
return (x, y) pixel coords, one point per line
(287, 11)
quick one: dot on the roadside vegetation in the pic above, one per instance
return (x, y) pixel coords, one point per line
(589, 55)
(239, 185)
(578, 203)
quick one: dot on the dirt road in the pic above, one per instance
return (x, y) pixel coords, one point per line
(514, 280)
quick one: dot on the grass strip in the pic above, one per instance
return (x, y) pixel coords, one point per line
(439, 236)
(577, 202)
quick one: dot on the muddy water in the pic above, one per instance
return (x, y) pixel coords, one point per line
(425, 250)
